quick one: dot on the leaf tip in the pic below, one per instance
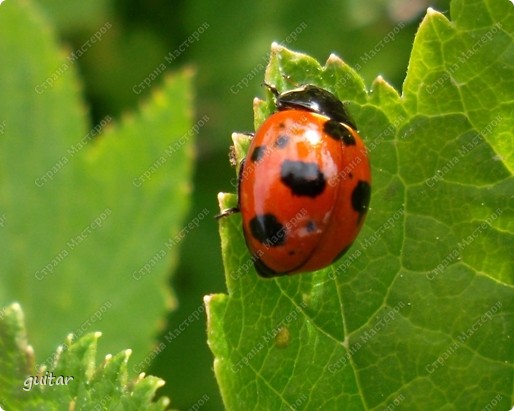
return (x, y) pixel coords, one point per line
(276, 47)
(29, 350)
(334, 59)
(222, 200)
(207, 298)
(431, 13)
(210, 300)
(382, 82)
(68, 340)
(207, 302)
(16, 305)
(141, 376)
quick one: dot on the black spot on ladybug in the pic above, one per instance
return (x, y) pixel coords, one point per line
(311, 226)
(268, 230)
(350, 175)
(303, 178)
(263, 270)
(282, 141)
(337, 131)
(281, 125)
(291, 252)
(342, 252)
(258, 153)
(360, 197)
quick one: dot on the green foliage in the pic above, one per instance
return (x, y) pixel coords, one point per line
(69, 15)
(231, 64)
(419, 314)
(75, 382)
(91, 215)
(372, 37)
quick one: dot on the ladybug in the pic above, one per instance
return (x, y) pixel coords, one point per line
(304, 186)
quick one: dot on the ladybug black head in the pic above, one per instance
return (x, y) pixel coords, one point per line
(312, 98)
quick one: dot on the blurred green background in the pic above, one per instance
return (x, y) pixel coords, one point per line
(229, 51)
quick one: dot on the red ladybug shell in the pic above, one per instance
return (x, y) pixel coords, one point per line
(304, 190)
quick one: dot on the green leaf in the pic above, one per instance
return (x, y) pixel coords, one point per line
(71, 15)
(419, 314)
(91, 215)
(72, 380)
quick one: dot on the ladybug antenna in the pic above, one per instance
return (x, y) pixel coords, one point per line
(271, 88)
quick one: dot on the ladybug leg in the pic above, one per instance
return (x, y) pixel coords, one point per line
(247, 133)
(227, 212)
